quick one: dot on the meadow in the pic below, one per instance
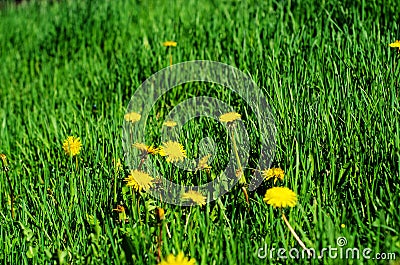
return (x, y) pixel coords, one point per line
(70, 68)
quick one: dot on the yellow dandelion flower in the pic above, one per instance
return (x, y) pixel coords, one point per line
(174, 151)
(278, 173)
(395, 44)
(169, 44)
(280, 197)
(132, 117)
(180, 259)
(195, 197)
(145, 148)
(229, 117)
(3, 158)
(119, 209)
(121, 214)
(139, 180)
(170, 124)
(343, 226)
(160, 213)
(202, 164)
(72, 146)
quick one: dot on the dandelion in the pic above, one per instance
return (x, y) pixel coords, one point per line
(343, 226)
(195, 197)
(229, 117)
(395, 44)
(139, 180)
(202, 164)
(174, 151)
(119, 209)
(72, 146)
(160, 213)
(118, 168)
(146, 149)
(180, 259)
(121, 214)
(170, 44)
(3, 158)
(281, 197)
(132, 117)
(170, 124)
(278, 173)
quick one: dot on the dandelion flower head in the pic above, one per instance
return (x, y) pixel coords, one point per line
(229, 117)
(203, 163)
(170, 44)
(180, 259)
(72, 146)
(280, 197)
(132, 117)
(195, 197)
(3, 158)
(170, 123)
(278, 173)
(160, 213)
(145, 148)
(119, 209)
(173, 151)
(395, 44)
(139, 180)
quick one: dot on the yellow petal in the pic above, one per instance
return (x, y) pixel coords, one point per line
(395, 44)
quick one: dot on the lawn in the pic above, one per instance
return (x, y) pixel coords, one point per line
(325, 68)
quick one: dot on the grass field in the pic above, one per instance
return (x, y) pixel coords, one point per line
(71, 68)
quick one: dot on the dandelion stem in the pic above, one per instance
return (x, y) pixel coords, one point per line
(115, 188)
(142, 161)
(245, 194)
(133, 195)
(235, 149)
(6, 169)
(159, 242)
(138, 207)
(295, 235)
(242, 179)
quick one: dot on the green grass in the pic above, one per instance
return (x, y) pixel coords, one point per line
(71, 67)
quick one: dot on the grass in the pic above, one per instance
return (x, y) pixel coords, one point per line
(71, 67)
